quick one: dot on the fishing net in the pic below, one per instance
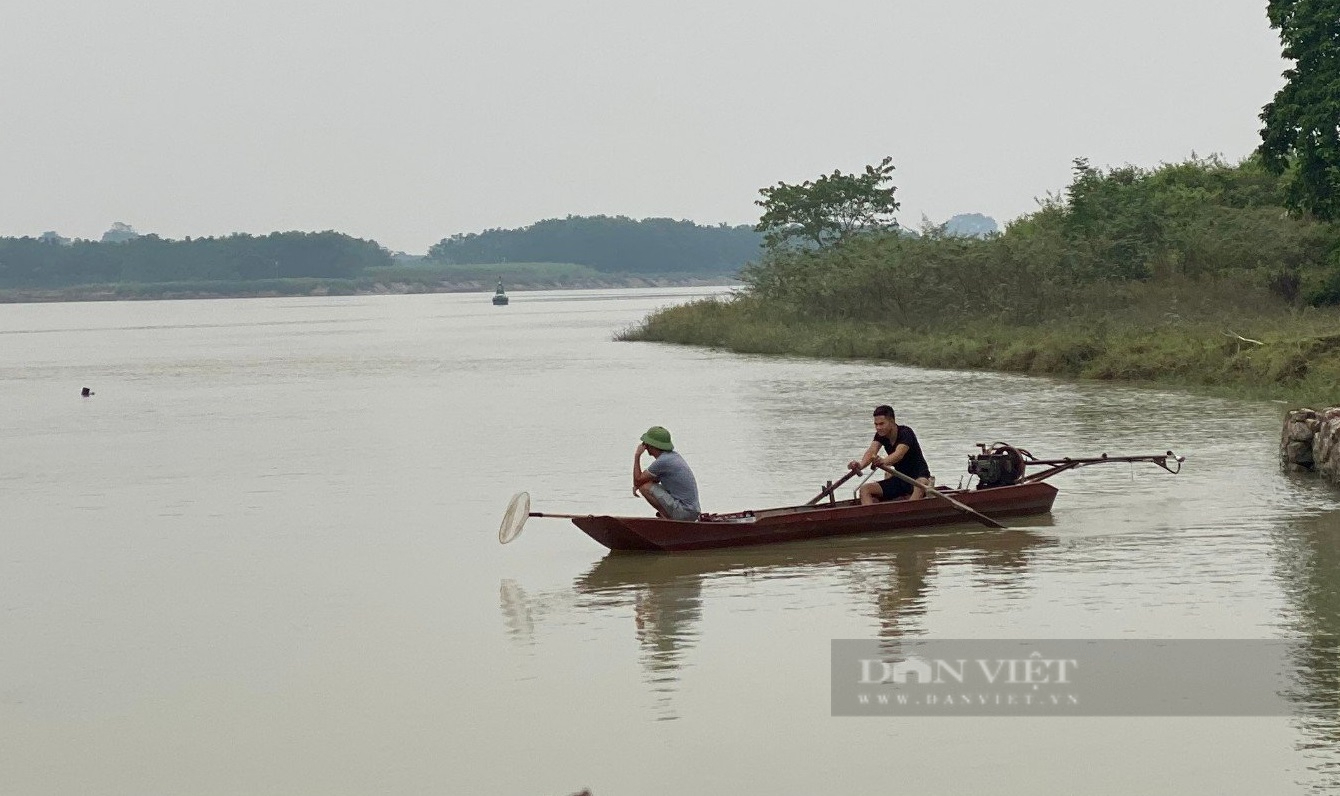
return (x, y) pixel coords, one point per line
(515, 517)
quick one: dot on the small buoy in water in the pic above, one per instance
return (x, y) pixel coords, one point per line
(86, 392)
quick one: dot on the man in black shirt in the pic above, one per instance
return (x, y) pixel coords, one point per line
(903, 454)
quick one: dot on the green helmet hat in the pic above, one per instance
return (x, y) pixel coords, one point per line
(657, 437)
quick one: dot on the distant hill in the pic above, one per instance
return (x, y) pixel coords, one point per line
(971, 225)
(610, 244)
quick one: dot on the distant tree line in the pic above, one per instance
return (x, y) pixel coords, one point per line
(52, 262)
(611, 244)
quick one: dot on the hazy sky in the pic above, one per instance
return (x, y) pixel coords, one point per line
(407, 121)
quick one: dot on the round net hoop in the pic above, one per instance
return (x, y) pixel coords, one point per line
(514, 518)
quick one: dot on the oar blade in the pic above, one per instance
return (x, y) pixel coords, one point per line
(514, 518)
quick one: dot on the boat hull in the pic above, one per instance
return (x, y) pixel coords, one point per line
(769, 526)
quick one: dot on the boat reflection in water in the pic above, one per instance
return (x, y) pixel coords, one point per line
(889, 577)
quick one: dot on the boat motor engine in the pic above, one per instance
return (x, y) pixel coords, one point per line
(1000, 465)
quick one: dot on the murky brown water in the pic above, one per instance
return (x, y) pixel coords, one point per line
(263, 559)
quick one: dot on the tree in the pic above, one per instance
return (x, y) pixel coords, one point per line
(1302, 124)
(830, 210)
(119, 233)
(971, 225)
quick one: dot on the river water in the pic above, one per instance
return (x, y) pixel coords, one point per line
(263, 559)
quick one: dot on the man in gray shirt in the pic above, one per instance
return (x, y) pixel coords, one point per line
(668, 484)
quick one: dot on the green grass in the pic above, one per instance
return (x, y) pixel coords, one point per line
(1296, 361)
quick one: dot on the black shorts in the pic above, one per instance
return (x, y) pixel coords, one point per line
(894, 488)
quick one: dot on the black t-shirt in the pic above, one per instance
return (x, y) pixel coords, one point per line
(913, 465)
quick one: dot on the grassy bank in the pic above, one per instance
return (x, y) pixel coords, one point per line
(460, 277)
(1295, 359)
(134, 291)
(431, 272)
(397, 279)
(1190, 275)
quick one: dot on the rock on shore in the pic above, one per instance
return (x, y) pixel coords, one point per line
(1311, 441)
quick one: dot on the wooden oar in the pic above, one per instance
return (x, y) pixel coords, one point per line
(828, 490)
(982, 518)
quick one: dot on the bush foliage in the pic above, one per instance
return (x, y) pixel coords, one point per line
(1191, 273)
(1210, 237)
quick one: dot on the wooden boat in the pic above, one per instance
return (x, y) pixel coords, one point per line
(792, 523)
(1005, 488)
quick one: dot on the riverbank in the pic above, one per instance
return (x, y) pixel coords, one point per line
(272, 288)
(1189, 275)
(1294, 358)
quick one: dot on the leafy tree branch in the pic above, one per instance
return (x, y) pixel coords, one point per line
(830, 210)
